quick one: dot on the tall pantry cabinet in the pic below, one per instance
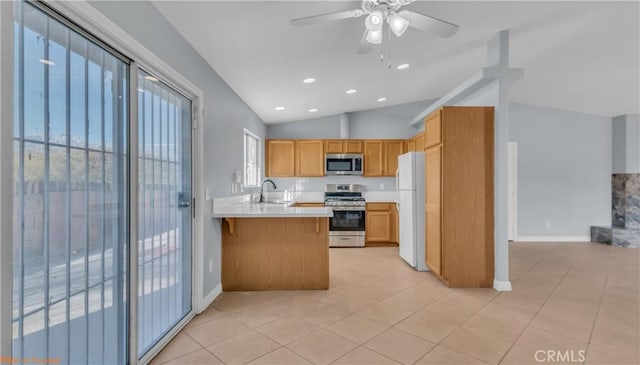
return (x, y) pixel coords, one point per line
(459, 195)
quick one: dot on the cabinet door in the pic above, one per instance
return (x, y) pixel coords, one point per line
(373, 158)
(333, 146)
(393, 231)
(420, 142)
(433, 226)
(378, 224)
(392, 149)
(280, 158)
(309, 158)
(352, 146)
(411, 144)
(433, 129)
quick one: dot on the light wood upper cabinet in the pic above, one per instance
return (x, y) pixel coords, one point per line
(411, 144)
(352, 146)
(392, 149)
(343, 146)
(280, 157)
(333, 146)
(309, 158)
(373, 158)
(433, 129)
(420, 142)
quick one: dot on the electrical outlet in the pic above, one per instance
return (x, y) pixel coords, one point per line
(210, 265)
(381, 186)
(548, 224)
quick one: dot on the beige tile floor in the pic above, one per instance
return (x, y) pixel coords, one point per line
(567, 298)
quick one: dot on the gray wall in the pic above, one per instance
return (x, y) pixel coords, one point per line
(387, 122)
(226, 114)
(564, 170)
(626, 144)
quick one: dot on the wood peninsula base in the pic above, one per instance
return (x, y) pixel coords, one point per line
(287, 253)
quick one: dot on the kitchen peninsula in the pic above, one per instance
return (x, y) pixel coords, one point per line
(273, 246)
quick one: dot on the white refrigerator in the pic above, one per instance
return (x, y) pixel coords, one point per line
(410, 183)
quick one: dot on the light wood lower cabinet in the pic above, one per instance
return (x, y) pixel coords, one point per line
(459, 196)
(381, 223)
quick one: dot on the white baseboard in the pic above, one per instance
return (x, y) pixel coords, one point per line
(206, 301)
(553, 239)
(501, 285)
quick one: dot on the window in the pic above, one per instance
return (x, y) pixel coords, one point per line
(252, 159)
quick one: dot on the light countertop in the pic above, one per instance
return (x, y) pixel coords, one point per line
(254, 210)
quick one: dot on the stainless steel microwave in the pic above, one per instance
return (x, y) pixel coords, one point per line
(343, 164)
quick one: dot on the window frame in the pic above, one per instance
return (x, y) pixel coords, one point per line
(247, 133)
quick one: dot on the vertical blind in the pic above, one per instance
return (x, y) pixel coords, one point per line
(70, 167)
(164, 214)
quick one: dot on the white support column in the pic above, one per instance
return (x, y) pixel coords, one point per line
(498, 57)
(6, 176)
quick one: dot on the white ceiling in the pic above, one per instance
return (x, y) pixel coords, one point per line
(579, 56)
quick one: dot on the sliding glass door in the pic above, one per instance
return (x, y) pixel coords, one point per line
(71, 282)
(70, 212)
(164, 209)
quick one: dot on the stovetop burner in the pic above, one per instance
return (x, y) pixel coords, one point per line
(343, 195)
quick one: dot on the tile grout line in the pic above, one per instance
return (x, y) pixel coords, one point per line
(536, 313)
(440, 343)
(593, 327)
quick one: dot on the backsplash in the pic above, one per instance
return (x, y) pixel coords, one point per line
(308, 184)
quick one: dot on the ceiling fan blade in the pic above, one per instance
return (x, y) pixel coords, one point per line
(430, 24)
(300, 22)
(364, 47)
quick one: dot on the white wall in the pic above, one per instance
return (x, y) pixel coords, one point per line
(564, 170)
(226, 114)
(626, 144)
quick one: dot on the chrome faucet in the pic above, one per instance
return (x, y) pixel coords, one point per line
(262, 189)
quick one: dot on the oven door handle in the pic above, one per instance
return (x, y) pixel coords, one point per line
(351, 209)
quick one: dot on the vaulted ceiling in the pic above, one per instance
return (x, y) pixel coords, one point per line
(579, 56)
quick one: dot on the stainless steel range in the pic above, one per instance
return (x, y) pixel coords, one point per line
(347, 226)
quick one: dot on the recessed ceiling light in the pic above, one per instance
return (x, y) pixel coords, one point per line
(47, 62)
(380, 100)
(313, 110)
(310, 80)
(351, 91)
(403, 66)
(279, 108)
(151, 78)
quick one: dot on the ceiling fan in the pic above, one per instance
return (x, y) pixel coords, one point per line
(381, 11)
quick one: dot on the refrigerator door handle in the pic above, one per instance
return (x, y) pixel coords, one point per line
(398, 189)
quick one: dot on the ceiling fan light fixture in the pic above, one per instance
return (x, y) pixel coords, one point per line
(374, 21)
(398, 24)
(374, 36)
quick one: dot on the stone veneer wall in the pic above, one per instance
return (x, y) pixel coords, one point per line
(625, 213)
(626, 201)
